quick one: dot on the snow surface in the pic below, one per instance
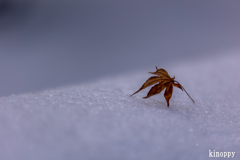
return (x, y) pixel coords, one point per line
(98, 120)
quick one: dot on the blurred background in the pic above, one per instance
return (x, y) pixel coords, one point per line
(50, 43)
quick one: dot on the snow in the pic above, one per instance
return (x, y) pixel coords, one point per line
(98, 119)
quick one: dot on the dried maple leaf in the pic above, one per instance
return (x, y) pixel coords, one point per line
(163, 81)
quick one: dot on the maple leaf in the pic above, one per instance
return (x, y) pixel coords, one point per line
(163, 81)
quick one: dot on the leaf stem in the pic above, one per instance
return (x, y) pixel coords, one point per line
(186, 92)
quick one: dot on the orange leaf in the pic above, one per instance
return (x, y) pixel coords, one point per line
(164, 81)
(161, 72)
(168, 92)
(151, 81)
(176, 84)
(155, 90)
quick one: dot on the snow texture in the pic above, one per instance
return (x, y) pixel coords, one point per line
(98, 119)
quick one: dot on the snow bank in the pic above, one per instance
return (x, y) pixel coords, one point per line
(99, 120)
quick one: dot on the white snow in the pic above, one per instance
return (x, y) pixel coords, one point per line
(98, 120)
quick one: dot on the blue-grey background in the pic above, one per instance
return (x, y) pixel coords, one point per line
(45, 44)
